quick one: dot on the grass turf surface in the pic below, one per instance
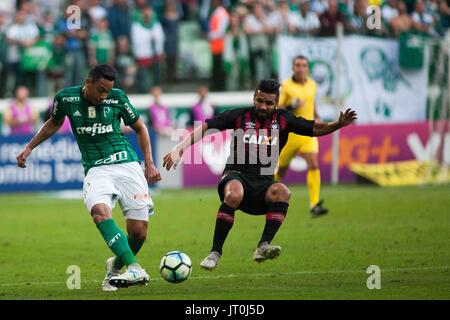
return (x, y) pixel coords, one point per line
(405, 231)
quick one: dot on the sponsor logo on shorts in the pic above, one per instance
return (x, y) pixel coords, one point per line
(140, 196)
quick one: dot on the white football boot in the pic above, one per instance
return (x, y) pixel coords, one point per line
(110, 272)
(211, 261)
(134, 275)
(266, 251)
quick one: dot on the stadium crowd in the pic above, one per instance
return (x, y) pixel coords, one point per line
(42, 52)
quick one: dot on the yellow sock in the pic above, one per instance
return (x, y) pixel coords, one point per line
(313, 182)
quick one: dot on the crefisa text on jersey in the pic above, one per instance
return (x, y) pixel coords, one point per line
(232, 310)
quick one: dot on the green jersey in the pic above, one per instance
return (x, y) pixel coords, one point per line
(97, 128)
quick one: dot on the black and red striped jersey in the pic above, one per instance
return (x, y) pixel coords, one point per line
(257, 143)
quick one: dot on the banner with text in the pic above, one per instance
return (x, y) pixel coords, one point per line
(370, 81)
(358, 144)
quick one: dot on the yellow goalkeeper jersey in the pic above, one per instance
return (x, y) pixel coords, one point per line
(292, 91)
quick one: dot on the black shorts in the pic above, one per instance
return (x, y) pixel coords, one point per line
(255, 188)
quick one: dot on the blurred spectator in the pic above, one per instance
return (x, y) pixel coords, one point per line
(357, 21)
(56, 66)
(402, 22)
(282, 20)
(20, 116)
(3, 55)
(330, 18)
(101, 45)
(422, 21)
(257, 28)
(159, 120)
(218, 25)
(32, 12)
(125, 64)
(203, 109)
(443, 22)
(96, 11)
(47, 29)
(306, 21)
(76, 46)
(19, 35)
(119, 18)
(186, 8)
(203, 13)
(388, 11)
(170, 24)
(319, 6)
(236, 54)
(147, 37)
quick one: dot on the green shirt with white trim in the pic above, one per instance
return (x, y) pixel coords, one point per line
(97, 129)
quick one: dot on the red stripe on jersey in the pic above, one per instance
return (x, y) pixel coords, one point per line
(283, 124)
(247, 118)
(238, 122)
(225, 216)
(275, 216)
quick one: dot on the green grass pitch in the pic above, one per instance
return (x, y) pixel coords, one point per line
(404, 231)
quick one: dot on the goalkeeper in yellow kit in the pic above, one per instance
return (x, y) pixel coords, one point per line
(298, 94)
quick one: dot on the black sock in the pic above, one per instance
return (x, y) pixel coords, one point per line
(274, 218)
(224, 223)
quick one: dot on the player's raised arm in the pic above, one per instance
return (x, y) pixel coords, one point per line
(151, 172)
(50, 127)
(173, 158)
(324, 128)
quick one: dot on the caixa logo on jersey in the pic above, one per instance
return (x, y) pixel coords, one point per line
(97, 128)
(115, 157)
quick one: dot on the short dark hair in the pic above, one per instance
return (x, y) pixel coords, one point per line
(302, 57)
(270, 86)
(103, 71)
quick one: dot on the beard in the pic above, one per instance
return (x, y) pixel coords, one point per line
(263, 115)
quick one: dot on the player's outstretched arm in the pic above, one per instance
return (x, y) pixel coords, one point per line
(324, 128)
(46, 131)
(151, 172)
(173, 158)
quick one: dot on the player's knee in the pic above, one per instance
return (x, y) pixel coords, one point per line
(278, 192)
(100, 212)
(233, 194)
(233, 198)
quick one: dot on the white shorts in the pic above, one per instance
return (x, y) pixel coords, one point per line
(123, 182)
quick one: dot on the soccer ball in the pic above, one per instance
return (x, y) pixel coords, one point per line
(175, 266)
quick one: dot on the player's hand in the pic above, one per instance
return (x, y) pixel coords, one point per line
(22, 157)
(173, 158)
(152, 174)
(347, 117)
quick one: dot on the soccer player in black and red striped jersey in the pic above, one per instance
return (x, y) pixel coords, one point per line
(247, 183)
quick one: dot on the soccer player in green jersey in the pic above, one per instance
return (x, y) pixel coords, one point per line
(111, 166)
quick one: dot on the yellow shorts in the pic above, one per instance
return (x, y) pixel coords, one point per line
(297, 144)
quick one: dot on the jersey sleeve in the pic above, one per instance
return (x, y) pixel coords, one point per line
(225, 120)
(58, 111)
(128, 113)
(299, 125)
(282, 101)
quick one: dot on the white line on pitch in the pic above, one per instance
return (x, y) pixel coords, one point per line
(224, 276)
